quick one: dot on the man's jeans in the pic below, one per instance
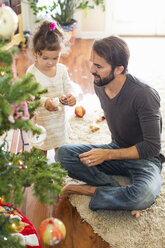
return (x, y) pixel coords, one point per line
(145, 175)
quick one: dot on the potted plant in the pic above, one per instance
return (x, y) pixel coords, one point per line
(63, 11)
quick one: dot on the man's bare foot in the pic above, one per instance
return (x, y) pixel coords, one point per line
(80, 189)
(136, 213)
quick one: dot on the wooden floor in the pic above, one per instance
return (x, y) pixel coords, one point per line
(79, 233)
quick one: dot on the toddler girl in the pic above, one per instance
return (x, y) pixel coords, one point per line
(47, 44)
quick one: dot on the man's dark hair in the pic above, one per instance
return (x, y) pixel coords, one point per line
(114, 50)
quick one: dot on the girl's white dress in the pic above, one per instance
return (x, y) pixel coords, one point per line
(55, 122)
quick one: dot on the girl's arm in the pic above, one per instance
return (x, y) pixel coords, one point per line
(71, 90)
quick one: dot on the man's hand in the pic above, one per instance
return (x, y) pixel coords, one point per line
(94, 156)
(49, 105)
(98, 156)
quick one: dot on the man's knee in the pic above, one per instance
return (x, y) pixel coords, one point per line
(146, 196)
(60, 153)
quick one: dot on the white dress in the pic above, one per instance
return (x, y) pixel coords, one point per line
(55, 122)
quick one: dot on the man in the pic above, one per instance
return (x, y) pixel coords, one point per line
(132, 111)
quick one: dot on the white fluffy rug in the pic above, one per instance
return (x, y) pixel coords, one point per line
(119, 228)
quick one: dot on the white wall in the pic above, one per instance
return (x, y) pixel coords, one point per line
(142, 17)
(122, 17)
(94, 25)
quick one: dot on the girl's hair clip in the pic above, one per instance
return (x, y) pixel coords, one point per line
(52, 26)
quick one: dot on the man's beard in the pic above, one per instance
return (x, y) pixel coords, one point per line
(104, 81)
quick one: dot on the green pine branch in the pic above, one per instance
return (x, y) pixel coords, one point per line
(5, 58)
(6, 239)
(21, 170)
(47, 180)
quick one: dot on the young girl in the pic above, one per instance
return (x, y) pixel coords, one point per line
(47, 44)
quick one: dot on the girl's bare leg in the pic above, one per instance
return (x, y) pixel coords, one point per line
(45, 152)
(55, 149)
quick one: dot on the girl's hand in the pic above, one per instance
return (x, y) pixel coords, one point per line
(49, 105)
(70, 100)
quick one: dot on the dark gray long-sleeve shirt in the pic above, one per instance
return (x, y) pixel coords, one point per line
(133, 116)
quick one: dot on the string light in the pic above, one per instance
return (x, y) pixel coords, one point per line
(9, 164)
(2, 199)
(6, 208)
(20, 162)
(13, 225)
(2, 73)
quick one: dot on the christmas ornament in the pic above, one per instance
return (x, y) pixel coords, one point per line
(38, 139)
(8, 22)
(52, 231)
(100, 119)
(79, 111)
(20, 110)
(94, 128)
(63, 100)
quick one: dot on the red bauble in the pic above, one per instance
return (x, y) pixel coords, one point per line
(79, 111)
(52, 231)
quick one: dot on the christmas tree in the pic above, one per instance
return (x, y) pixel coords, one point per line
(19, 99)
